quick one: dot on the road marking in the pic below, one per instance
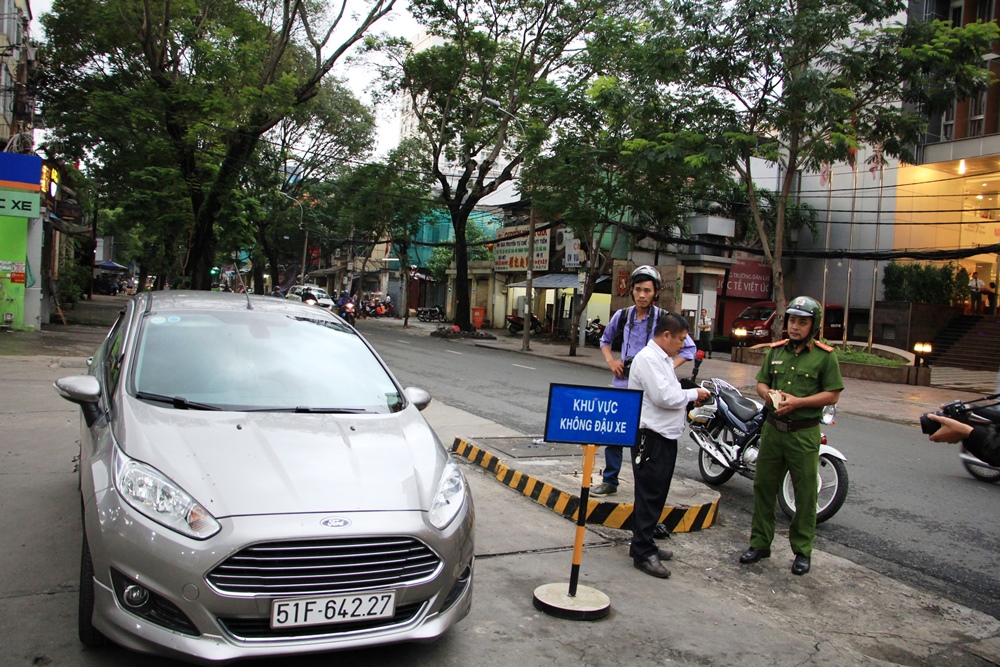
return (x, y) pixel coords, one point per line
(530, 368)
(453, 351)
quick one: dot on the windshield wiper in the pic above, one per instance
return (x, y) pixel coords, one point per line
(308, 410)
(179, 402)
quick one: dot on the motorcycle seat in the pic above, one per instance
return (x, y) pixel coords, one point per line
(741, 406)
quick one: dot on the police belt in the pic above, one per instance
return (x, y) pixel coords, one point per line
(787, 426)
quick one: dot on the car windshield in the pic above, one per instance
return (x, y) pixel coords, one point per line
(319, 292)
(756, 313)
(250, 360)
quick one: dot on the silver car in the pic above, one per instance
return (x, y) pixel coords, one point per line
(255, 482)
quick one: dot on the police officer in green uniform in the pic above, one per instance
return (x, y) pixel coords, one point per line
(799, 377)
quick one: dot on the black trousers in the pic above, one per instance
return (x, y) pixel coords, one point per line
(652, 484)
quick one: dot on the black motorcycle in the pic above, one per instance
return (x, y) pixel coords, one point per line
(515, 324)
(593, 332)
(981, 411)
(432, 314)
(727, 431)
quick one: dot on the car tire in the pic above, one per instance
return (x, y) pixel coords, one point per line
(89, 635)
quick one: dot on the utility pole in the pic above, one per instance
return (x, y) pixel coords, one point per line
(305, 242)
(528, 287)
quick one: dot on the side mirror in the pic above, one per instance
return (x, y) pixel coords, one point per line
(85, 391)
(419, 397)
(829, 412)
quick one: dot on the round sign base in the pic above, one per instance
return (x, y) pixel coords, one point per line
(589, 604)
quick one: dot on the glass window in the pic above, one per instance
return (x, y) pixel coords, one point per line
(756, 313)
(258, 361)
(977, 114)
(948, 124)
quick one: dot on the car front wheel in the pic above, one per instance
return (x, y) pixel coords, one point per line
(89, 635)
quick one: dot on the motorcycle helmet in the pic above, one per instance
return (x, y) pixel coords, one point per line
(646, 272)
(806, 306)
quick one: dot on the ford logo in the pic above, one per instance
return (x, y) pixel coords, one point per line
(335, 522)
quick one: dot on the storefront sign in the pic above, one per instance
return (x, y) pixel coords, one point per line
(19, 203)
(512, 255)
(750, 277)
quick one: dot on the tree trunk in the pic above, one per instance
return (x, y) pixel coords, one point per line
(460, 218)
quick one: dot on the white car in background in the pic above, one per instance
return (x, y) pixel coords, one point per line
(323, 299)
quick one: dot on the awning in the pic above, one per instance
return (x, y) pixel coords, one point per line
(555, 281)
(108, 265)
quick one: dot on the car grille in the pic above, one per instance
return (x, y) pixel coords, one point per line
(313, 567)
(260, 628)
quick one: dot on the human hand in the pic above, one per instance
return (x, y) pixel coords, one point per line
(787, 403)
(617, 367)
(951, 430)
(703, 395)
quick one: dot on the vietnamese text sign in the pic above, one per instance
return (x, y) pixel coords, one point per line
(750, 277)
(593, 415)
(512, 255)
(19, 204)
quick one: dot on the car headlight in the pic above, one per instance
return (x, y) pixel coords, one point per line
(449, 497)
(155, 495)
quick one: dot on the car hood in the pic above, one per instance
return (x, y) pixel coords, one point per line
(278, 463)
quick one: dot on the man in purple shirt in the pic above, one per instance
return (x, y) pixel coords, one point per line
(636, 322)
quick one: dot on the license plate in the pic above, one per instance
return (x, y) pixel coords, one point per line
(333, 609)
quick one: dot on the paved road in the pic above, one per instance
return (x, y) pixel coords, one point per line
(912, 511)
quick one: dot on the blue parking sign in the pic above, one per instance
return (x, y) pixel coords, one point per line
(593, 415)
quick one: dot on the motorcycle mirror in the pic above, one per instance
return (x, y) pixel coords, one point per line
(828, 414)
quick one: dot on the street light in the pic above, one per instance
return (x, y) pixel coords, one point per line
(305, 242)
(528, 285)
(921, 351)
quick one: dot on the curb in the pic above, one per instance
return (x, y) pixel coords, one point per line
(599, 513)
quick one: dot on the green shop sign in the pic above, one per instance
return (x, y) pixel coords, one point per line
(19, 203)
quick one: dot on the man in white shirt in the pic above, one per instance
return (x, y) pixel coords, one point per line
(661, 423)
(976, 294)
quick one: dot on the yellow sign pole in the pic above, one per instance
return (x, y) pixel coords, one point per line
(575, 602)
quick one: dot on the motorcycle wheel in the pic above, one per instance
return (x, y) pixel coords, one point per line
(514, 329)
(441, 317)
(983, 473)
(713, 473)
(536, 328)
(832, 481)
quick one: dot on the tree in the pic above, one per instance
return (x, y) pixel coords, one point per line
(386, 201)
(608, 165)
(805, 83)
(316, 143)
(509, 53)
(208, 78)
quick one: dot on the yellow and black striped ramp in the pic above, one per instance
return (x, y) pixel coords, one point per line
(599, 512)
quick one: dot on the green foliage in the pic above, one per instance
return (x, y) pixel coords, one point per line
(188, 89)
(942, 285)
(856, 355)
(443, 256)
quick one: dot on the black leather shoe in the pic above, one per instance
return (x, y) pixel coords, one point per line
(652, 566)
(752, 555)
(801, 564)
(660, 531)
(662, 554)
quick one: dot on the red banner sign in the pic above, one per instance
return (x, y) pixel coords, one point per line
(750, 278)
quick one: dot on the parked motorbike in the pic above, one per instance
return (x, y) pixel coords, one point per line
(727, 431)
(431, 314)
(593, 332)
(980, 411)
(515, 324)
